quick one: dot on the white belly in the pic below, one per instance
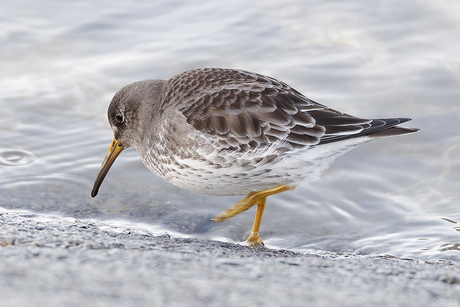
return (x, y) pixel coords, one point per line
(225, 173)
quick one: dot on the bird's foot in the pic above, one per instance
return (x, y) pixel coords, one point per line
(254, 240)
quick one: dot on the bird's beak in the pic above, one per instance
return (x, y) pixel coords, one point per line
(114, 150)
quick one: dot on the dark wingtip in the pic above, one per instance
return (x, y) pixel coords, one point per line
(393, 132)
(403, 120)
(409, 130)
(378, 128)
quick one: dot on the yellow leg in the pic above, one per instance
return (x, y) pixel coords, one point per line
(254, 237)
(254, 198)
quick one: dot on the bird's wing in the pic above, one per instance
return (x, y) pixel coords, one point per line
(241, 110)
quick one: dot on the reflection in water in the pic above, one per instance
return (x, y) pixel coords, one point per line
(61, 66)
(450, 221)
(450, 247)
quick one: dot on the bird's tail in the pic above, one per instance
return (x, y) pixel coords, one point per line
(376, 128)
(388, 127)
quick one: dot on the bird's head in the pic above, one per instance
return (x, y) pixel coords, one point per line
(130, 113)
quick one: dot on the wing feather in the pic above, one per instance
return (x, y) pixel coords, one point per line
(246, 111)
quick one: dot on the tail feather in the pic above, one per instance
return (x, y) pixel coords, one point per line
(376, 128)
(394, 131)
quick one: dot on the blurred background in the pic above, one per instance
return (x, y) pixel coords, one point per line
(62, 62)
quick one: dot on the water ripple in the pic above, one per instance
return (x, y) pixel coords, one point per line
(16, 157)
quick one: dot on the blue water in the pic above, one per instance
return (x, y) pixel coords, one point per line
(62, 62)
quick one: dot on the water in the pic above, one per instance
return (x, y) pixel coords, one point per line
(62, 62)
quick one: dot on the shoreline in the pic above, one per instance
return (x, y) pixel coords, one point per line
(73, 263)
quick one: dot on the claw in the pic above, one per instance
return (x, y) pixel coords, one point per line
(254, 240)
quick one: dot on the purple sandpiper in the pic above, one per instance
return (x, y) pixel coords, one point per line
(232, 132)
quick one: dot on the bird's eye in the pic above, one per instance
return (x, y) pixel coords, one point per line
(119, 118)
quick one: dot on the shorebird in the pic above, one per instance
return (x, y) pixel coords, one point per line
(232, 132)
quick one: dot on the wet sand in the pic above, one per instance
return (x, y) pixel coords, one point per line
(65, 262)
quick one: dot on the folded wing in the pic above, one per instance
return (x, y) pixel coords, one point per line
(244, 111)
